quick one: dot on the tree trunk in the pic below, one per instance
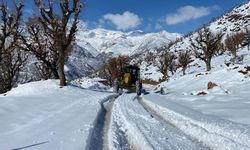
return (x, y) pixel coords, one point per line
(55, 73)
(61, 69)
(165, 75)
(208, 65)
(184, 71)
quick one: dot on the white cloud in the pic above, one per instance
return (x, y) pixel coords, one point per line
(124, 21)
(187, 13)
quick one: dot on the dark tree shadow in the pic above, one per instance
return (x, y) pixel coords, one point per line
(28, 146)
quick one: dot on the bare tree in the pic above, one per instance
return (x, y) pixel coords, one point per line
(166, 62)
(239, 39)
(11, 58)
(58, 27)
(231, 45)
(173, 65)
(40, 44)
(184, 59)
(233, 42)
(205, 45)
(112, 69)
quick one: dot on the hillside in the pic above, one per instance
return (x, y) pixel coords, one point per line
(235, 21)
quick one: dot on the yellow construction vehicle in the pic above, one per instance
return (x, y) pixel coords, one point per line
(129, 79)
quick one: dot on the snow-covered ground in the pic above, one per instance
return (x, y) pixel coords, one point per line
(181, 118)
(220, 118)
(212, 130)
(135, 127)
(40, 115)
(229, 100)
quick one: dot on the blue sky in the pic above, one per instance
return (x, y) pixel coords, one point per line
(181, 16)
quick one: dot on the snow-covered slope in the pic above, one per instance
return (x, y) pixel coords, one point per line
(82, 62)
(93, 47)
(235, 21)
(233, 84)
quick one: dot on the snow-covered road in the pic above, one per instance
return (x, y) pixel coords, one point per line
(41, 116)
(152, 122)
(136, 127)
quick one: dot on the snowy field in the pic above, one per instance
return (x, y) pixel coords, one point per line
(40, 115)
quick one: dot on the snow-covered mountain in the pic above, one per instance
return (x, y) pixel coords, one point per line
(234, 21)
(81, 62)
(99, 40)
(94, 47)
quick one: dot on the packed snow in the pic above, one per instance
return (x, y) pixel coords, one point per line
(143, 130)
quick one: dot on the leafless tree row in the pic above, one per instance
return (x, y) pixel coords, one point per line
(204, 45)
(48, 36)
(11, 58)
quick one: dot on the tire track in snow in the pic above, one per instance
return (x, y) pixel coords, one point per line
(209, 134)
(146, 132)
(121, 132)
(97, 139)
(155, 115)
